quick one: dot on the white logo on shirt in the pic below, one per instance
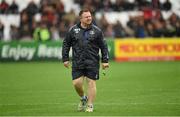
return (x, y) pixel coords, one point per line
(76, 30)
(91, 32)
(96, 76)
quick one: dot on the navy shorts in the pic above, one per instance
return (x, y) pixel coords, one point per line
(90, 73)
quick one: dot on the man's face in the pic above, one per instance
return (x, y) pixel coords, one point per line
(86, 18)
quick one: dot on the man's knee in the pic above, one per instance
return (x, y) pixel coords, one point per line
(78, 81)
(91, 83)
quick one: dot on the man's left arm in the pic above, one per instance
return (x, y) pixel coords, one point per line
(104, 51)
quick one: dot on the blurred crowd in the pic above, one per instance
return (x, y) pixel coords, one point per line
(55, 22)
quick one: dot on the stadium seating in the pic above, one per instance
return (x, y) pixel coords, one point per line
(111, 16)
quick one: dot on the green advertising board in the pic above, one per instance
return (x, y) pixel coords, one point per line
(37, 51)
(27, 51)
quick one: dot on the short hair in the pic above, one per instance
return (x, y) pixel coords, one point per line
(84, 10)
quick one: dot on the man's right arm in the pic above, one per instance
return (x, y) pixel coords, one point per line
(66, 47)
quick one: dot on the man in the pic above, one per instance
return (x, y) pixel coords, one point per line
(85, 39)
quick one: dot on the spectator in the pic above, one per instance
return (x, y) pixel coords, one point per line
(171, 26)
(149, 30)
(142, 3)
(25, 33)
(43, 4)
(147, 13)
(32, 9)
(123, 5)
(42, 33)
(14, 33)
(70, 17)
(1, 30)
(49, 16)
(173, 19)
(4, 6)
(157, 15)
(118, 6)
(167, 5)
(131, 25)
(24, 18)
(54, 33)
(140, 29)
(170, 30)
(103, 23)
(128, 6)
(107, 5)
(156, 4)
(45, 1)
(14, 8)
(119, 30)
(158, 28)
(60, 9)
(97, 4)
(25, 29)
(80, 2)
(52, 12)
(109, 32)
(62, 29)
(178, 28)
(132, 22)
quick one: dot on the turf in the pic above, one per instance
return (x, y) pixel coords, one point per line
(128, 89)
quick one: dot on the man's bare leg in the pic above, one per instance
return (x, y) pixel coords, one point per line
(91, 94)
(78, 85)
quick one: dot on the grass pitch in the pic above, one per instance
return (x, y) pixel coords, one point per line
(130, 88)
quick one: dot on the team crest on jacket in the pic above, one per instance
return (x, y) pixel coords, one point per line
(76, 30)
(91, 32)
